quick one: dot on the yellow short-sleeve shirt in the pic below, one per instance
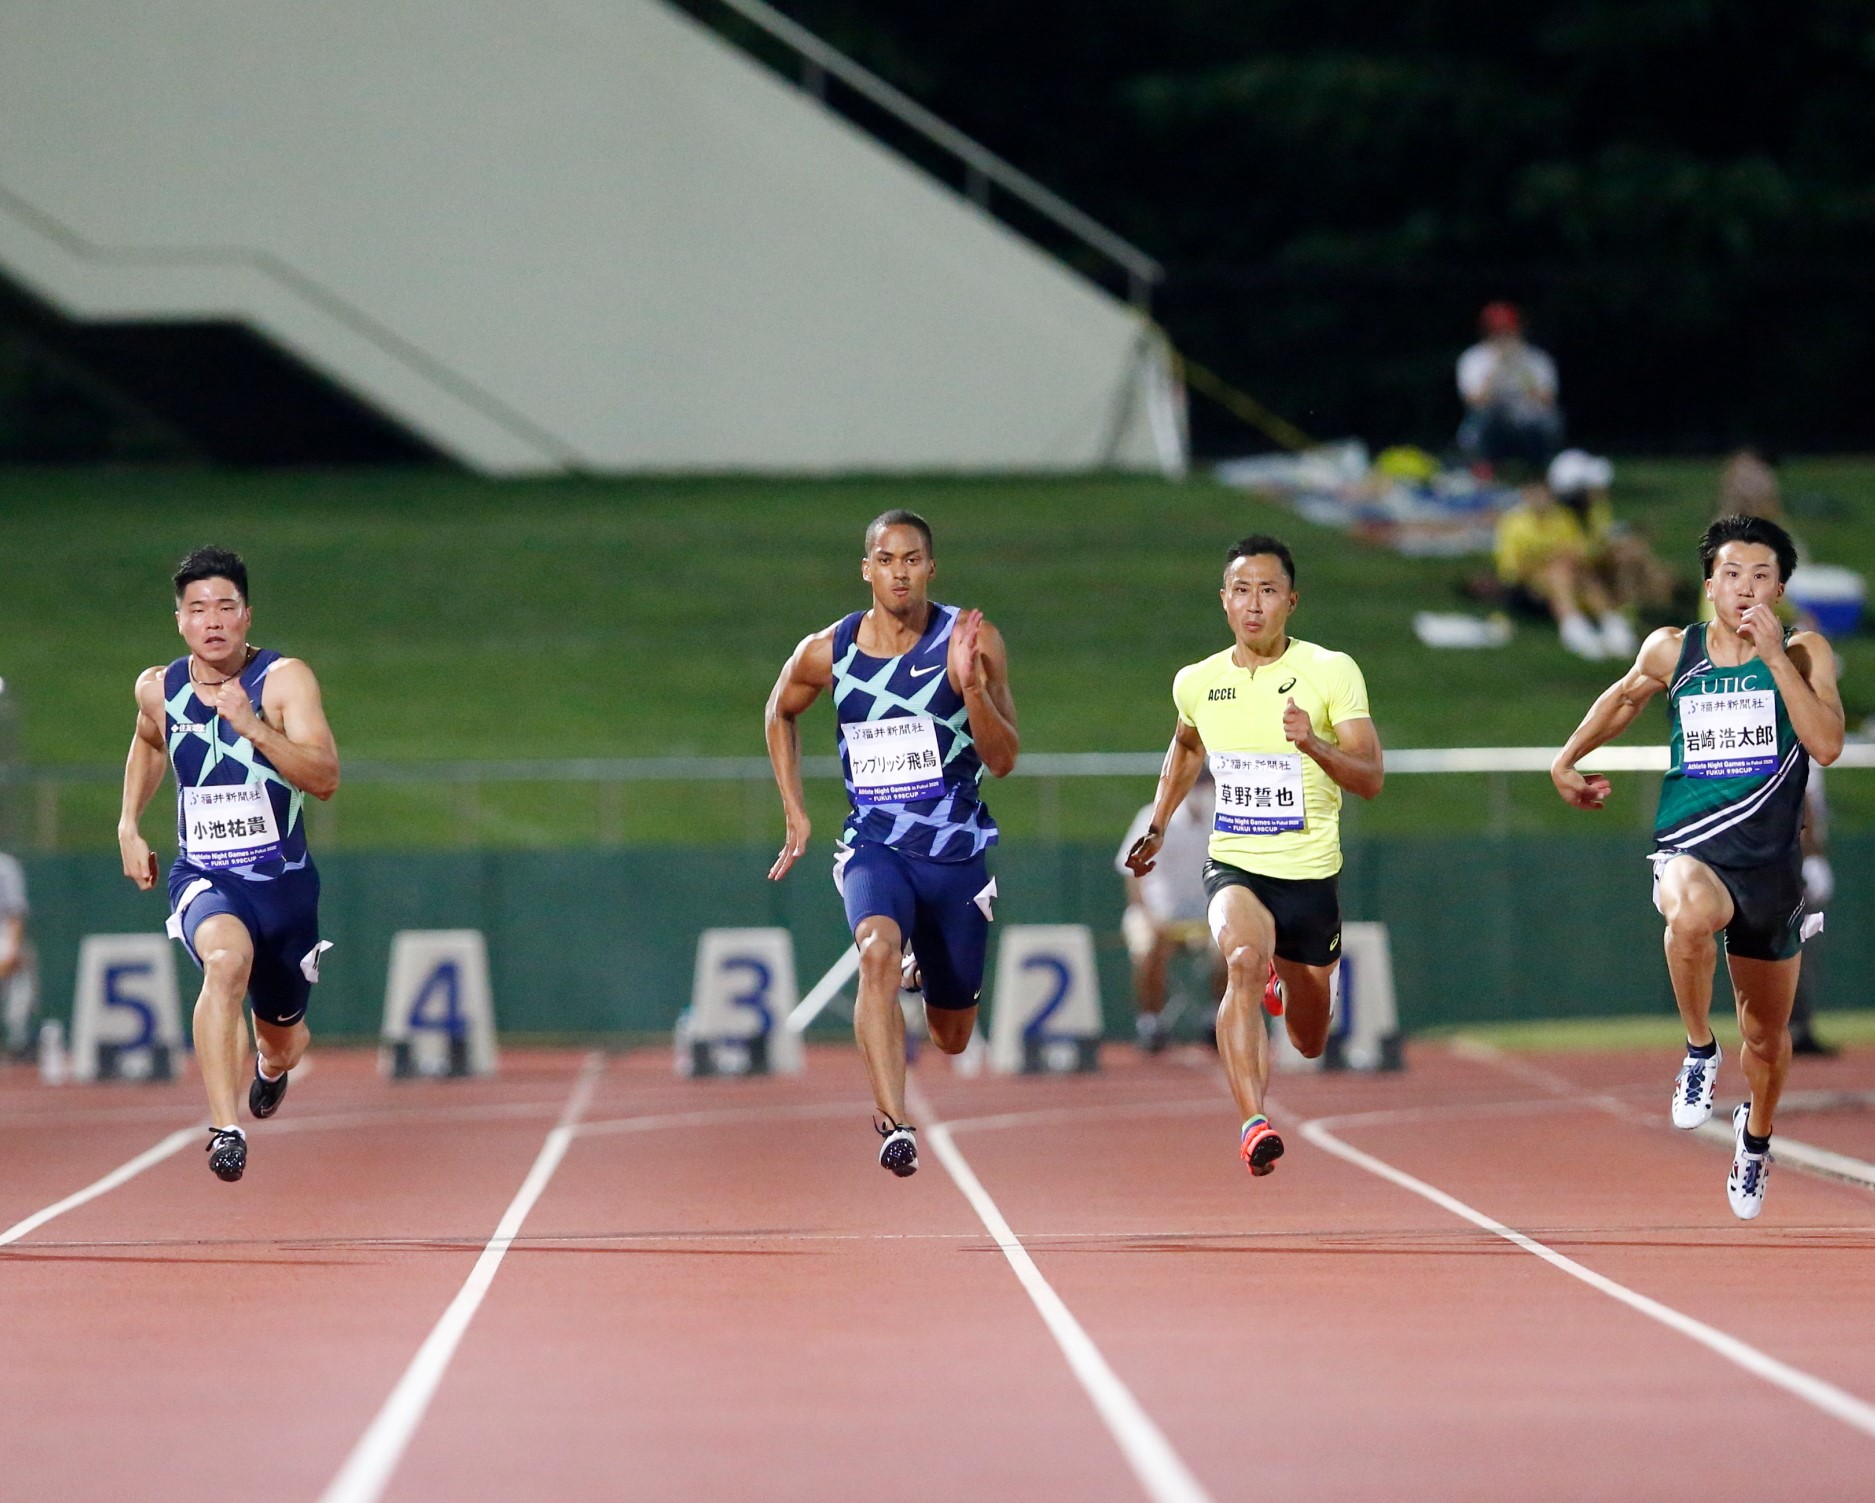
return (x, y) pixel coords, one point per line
(1240, 710)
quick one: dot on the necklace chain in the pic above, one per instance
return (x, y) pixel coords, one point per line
(201, 684)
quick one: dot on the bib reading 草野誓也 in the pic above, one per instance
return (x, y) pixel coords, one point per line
(894, 761)
(229, 825)
(1729, 735)
(1258, 794)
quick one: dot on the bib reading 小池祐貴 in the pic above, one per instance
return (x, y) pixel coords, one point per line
(894, 761)
(1729, 735)
(225, 826)
(1258, 793)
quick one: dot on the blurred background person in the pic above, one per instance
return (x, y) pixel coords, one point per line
(1509, 390)
(1638, 582)
(19, 971)
(1548, 564)
(1819, 887)
(1165, 910)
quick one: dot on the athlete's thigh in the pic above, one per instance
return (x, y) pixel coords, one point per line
(1765, 989)
(1238, 918)
(951, 934)
(1308, 993)
(222, 932)
(874, 884)
(1687, 882)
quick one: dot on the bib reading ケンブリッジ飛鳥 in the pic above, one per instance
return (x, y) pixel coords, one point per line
(894, 761)
(1729, 735)
(1258, 794)
(227, 825)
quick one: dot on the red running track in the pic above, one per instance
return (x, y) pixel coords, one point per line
(718, 1295)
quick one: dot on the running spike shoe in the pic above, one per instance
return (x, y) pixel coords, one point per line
(899, 1151)
(1744, 1187)
(1692, 1090)
(227, 1152)
(1273, 993)
(1260, 1146)
(264, 1096)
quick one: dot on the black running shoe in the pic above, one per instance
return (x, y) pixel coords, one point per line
(899, 1152)
(227, 1153)
(263, 1096)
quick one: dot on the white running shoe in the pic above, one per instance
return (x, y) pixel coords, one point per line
(1744, 1187)
(1618, 639)
(1579, 636)
(1692, 1091)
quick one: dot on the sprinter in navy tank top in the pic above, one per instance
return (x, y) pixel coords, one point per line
(921, 693)
(246, 736)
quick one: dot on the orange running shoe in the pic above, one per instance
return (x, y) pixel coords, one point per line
(1273, 994)
(1261, 1146)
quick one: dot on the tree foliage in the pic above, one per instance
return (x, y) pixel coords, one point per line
(1681, 193)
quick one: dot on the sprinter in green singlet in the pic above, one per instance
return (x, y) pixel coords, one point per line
(1750, 710)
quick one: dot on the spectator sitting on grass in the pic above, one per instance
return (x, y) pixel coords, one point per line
(1547, 566)
(1631, 573)
(1509, 388)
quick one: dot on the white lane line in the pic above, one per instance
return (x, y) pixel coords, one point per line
(1830, 1399)
(367, 1471)
(1824, 1161)
(1160, 1470)
(122, 1174)
(1784, 1149)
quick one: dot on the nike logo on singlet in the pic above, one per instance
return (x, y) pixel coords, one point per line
(921, 672)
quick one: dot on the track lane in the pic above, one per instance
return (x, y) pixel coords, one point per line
(753, 1309)
(1403, 1354)
(185, 1339)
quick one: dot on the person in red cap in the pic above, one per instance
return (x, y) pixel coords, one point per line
(1509, 387)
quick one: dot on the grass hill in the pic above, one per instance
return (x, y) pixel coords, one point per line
(455, 618)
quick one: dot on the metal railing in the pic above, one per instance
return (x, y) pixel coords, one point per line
(38, 817)
(982, 168)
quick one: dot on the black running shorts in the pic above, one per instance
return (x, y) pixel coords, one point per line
(1767, 908)
(1307, 910)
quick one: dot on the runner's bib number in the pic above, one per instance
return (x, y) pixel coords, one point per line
(1258, 795)
(229, 826)
(1729, 735)
(894, 761)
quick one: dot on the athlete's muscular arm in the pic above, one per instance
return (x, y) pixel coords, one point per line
(979, 666)
(293, 735)
(1184, 759)
(1805, 674)
(143, 775)
(1611, 714)
(809, 670)
(1355, 761)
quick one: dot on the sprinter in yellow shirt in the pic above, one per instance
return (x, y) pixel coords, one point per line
(1285, 726)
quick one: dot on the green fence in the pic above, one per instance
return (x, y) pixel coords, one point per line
(600, 942)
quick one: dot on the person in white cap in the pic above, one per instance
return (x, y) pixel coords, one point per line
(1547, 551)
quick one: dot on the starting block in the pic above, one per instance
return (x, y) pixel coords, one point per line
(439, 1014)
(126, 1022)
(741, 1001)
(1045, 1016)
(1365, 1031)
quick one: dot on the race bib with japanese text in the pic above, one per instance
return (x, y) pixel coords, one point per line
(229, 826)
(894, 761)
(1729, 735)
(1258, 794)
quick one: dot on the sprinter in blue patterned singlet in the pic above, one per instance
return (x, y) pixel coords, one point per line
(921, 693)
(1749, 712)
(246, 737)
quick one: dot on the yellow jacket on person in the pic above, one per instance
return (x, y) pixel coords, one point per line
(1529, 537)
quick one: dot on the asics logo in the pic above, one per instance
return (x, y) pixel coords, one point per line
(921, 672)
(1285, 688)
